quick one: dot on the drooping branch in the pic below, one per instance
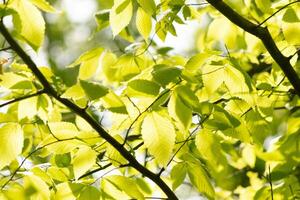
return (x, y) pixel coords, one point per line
(264, 35)
(82, 113)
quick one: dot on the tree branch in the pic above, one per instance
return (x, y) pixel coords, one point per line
(82, 113)
(280, 9)
(264, 35)
(22, 98)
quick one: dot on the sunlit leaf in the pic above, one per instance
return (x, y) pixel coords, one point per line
(120, 15)
(159, 136)
(11, 143)
(29, 22)
(143, 23)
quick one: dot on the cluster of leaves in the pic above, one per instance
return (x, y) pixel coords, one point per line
(225, 120)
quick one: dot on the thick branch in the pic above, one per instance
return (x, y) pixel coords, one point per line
(264, 35)
(97, 127)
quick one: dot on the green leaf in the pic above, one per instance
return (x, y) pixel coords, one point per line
(43, 5)
(29, 22)
(27, 108)
(223, 120)
(159, 136)
(120, 15)
(290, 30)
(186, 11)
(89, 63)
(263, 5)
(35, 187)
(143, 23)
(290, 16)
(249, 156)
(148, 5)
(178, 174)
(84, 160)
(188, 97)
(195, 62)
(69, 75)
(127, 185)
(93, 90)
(74, 92)
(200, 180)
(89, 192)
(11, 143)
(164, 74)
(63, 160)
(179, 111)
(102, 19)
(114, 103)
(144, 87)
(11, 80)
(68, 191)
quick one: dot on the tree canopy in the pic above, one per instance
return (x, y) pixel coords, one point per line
(143, 122)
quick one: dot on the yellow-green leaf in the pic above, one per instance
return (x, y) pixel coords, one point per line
(159, 136)
(84, 160)
(11, 143)
(200, 179)
(27, 108)
(43, 5)
(120, 15)
(291, 32)
(178, 174)
(148, 5)
(36, 188)
(127, 185)
(29, 22)
(93, 90)
(179, 111)
(143, 23)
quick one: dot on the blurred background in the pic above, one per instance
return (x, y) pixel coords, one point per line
(73, 31)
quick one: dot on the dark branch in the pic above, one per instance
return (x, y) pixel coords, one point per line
(94, 171)
(82, 113)
(22, 98)
(264, 35)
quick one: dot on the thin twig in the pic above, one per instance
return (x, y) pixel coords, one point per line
(22, 98)
(277, 12)
(298, 51)
(94, 171)
(148, 46)
(133, 104)
(5, 49)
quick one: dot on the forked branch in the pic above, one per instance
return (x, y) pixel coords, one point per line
(264, 35)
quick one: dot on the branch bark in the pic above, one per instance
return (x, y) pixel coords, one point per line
(82, 113)
(264, 35)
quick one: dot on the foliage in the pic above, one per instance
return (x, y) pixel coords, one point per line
(224, 121)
